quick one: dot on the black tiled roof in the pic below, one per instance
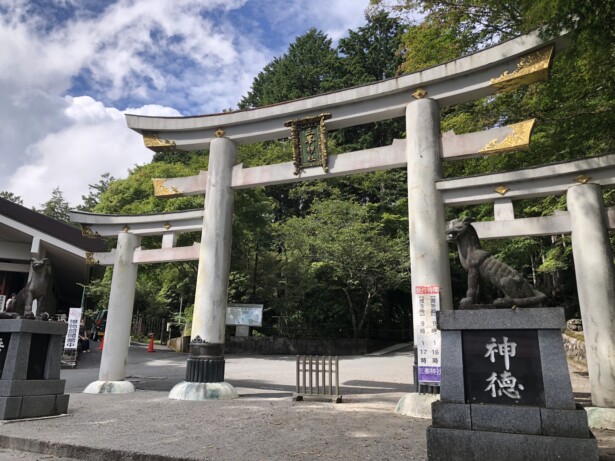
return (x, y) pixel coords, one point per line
(50, 226)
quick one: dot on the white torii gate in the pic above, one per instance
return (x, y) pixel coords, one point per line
(519, 61)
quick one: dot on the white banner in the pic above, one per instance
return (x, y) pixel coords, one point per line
(426, 334)
(2, 302)
(72, 335)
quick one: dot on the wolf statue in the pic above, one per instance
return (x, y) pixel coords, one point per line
(480, 265)
(36, 288)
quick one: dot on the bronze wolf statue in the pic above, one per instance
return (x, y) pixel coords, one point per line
(479, 264)
(36, 288)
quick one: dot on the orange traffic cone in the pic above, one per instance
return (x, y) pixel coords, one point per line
(102, 341)
(151, 344)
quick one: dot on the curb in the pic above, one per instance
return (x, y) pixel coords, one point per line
(67, 450)
(388, 350)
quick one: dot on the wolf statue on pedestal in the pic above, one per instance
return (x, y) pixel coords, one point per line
(481, 265)
(36, 288)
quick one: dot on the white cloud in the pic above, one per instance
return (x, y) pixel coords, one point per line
(94, 141)
(156, 56)
(339, 16)
(333, 17)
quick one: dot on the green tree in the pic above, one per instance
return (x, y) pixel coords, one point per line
(288, 284)
(135, 194)
(164, 287)
(179, 156)
(369, 54)
(98, 290)
(348, 252)
(311, 66)
(90, 201)
(11, 197)
(160, 287)
(372, 52)
(574, 109)
(149, 300)
(56, 207)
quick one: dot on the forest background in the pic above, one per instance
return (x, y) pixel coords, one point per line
(329, 258)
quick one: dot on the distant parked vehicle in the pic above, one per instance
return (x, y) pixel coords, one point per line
(100, 322)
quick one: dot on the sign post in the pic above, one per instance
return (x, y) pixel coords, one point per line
(427, 335)
(244, 316)
(71, 340)
(72, 335)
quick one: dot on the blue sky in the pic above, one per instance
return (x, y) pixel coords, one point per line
(70, 69)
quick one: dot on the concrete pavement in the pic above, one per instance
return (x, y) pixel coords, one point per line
(263, 424)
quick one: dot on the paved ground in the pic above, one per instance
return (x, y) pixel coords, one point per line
(264, 424)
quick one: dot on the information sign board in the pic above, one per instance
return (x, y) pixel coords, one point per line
(426, 334)
(244, 314)
(72, 335)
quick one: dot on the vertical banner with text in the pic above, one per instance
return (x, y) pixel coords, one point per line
(72, 335)
(426, 334)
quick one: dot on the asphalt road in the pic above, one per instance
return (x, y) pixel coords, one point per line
(148, 424)
(250, 375)
(263, 424)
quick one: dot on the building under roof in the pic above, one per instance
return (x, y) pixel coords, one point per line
(26, 234)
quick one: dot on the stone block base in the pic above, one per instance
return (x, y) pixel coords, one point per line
(30, 384)
(33, 406)
(21, 387)
(467, 445)
(541, 423)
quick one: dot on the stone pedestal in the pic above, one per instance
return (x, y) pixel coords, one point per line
(506, 391)
(30, 384)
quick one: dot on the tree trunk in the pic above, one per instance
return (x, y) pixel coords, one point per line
(532, 261)
(253, 296)
(364, 316)
(353, 315)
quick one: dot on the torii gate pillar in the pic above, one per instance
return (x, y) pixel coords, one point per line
(429, 263)
(111, 378)
(205, 367)
(595, 273)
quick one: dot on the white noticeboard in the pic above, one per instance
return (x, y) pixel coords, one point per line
(72, 335)
(426, 334)
(244, 314)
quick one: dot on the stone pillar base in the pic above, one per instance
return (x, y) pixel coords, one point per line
(203, 391)
(109, 387)
(416, 405)
(601, 418)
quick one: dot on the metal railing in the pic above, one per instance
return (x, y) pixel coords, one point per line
(318, 378)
